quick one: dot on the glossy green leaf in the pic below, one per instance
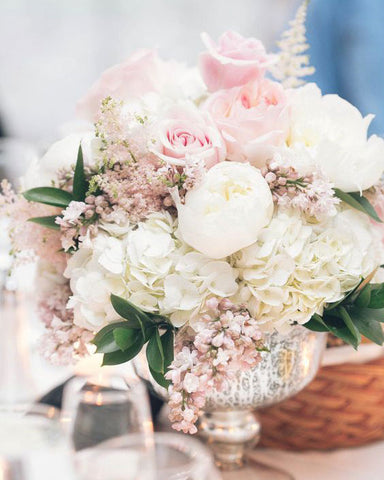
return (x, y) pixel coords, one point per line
(129, 311)
(357, 201)
(168, 343)
(344, 315)
(376, 314)
(80, 184)
(126, 337)
(316, 324)
(47, 222)
(159, 378)
(338, 328)
(104, 339)
(364, 297)
(49, 196)
(155, 353)
(116, 358)
(367, 326)
(377, 296)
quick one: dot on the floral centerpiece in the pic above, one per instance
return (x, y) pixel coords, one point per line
(200, 209)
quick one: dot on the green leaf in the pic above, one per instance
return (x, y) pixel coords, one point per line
(80, 184)
(155, 353)
(126, 337)
(115, 358)
(48, 222)
(367, 326)
(376, 314)
(377, 296)
(340, 330)
(344, 315)
(49, 196)
(155, 317)
(129, 311)
(345, 299)
(105, 340)
(160, 379)
(316, 324)
(357, 201)
(160, 354)
(168, 343)
(364, 297)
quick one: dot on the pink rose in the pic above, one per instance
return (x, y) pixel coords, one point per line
(253, 120)
(234, 61)
(186, 133)
(134, 77)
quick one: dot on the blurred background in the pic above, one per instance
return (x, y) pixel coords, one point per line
(51, 52)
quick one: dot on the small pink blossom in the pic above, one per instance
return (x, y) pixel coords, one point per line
(63, 342)
(312, 193)
(31, 237)
(73, 211)
(210, 358)
(191, 383)
(233, 61)
(253, 120)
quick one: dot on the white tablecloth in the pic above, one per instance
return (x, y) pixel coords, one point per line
(364, 463)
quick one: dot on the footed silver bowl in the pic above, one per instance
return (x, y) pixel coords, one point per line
(228, 423)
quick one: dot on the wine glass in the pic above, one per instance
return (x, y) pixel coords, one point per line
(32, 443)
(101, 407)
(173, 457)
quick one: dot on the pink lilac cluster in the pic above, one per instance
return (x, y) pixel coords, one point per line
(184, 179)
(27, 236)
(227, 339)
(63, 342)
(312, 194)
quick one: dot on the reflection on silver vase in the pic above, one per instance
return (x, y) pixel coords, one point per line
(228, 423)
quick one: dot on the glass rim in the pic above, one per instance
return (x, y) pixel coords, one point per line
(198, 457)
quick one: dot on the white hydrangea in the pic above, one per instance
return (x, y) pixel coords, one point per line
(295, 268)
(151, 267)
(95, 271)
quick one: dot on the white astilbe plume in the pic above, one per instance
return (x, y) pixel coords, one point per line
(293, 64)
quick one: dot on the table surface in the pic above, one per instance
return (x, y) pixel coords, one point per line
(363, 463)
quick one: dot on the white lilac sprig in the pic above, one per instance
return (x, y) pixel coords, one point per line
(227, 340)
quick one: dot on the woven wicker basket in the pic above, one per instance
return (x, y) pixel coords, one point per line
(342, 407)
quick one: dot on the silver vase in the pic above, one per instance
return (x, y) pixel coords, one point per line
(228, 423)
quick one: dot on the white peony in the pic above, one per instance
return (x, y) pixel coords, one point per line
(62, 155)
(336, 134)
(226, 211)
(295, 268)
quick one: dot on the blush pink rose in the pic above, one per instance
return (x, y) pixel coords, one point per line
(234, 61)
(134, 77)
(186, 133)
(253, 120)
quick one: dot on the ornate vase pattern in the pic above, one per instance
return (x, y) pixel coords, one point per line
(228, 423)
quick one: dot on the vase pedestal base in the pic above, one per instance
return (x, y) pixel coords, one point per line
(229, 434)
(256, 471)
